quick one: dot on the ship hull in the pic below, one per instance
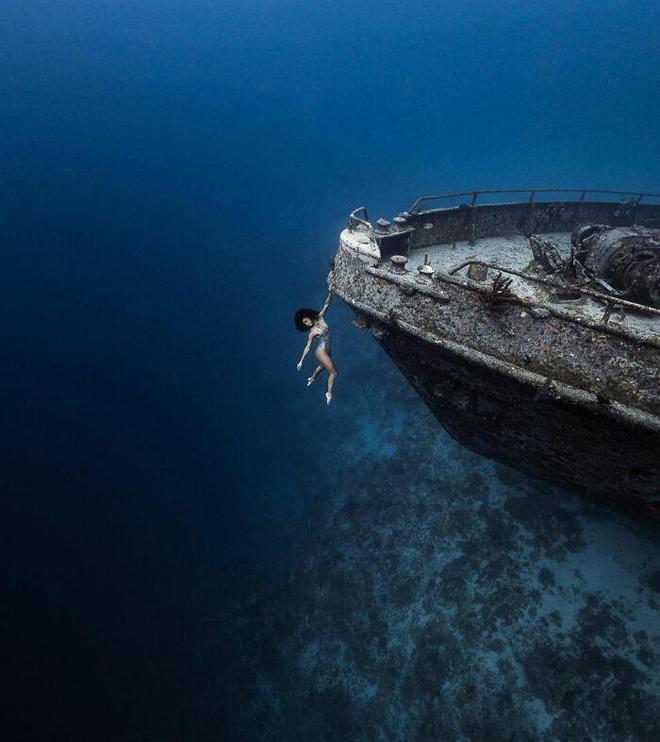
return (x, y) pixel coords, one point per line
(571, 403)
(510, 421)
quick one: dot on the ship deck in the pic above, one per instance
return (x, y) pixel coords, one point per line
(513, 252)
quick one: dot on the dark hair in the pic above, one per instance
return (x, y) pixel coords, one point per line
(302, 314)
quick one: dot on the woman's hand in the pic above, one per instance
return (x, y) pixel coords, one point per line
(299, 366)
(326, 304)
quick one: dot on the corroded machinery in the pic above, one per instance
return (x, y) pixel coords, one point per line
(530, 328)
(627, 257)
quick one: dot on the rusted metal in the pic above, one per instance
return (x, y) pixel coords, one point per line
(562, 314)
(572, 392)
(642, 308)
(627, 257)
(398, 263)
(609, 308)
(425, 273)
(615, 410)
(545, 253)
(354, 220)
(477, 272)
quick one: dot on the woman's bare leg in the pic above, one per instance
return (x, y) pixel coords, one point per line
(317, 371)
(327, 364)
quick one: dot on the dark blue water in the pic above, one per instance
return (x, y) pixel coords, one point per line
(174, 176)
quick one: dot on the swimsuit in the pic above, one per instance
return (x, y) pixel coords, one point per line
(323, 339)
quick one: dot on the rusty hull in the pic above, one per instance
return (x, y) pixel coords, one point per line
(572, 401)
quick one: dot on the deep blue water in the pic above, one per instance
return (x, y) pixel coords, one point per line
(174, 177)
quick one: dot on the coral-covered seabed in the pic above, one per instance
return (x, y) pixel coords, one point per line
(435, 595)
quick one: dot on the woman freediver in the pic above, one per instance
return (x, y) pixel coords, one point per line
(310, 320)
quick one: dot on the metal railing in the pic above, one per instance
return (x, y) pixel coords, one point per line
(634, 197)
(354, 220)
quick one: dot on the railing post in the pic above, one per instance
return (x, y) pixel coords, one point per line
(531, 222)
(472, 223)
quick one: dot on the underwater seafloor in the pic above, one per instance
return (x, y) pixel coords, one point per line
(435, 595)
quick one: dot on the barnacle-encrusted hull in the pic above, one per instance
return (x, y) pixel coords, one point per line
(545, 435)
(553, 393)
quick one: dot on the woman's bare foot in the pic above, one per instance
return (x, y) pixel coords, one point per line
(328, 397)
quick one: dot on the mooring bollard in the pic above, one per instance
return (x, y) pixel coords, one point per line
(398, 263)
(425, 274)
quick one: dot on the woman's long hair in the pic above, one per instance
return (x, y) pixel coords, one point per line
(302, 314)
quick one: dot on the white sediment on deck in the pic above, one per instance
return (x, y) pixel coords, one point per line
(513, 252)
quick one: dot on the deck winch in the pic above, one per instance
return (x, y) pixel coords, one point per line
(628, 258)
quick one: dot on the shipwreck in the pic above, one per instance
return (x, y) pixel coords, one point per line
(530, 327)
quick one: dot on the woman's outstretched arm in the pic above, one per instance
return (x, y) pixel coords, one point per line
(306, 351)
(326, 304)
